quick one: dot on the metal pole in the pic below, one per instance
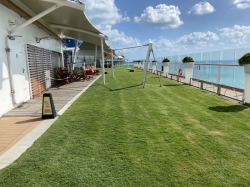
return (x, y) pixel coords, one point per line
(112, 62)
(103, 70)
(31, 20)
(146, 64)
(218, 74)
(95, 55)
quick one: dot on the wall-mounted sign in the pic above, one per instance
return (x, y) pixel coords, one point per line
(48, 109)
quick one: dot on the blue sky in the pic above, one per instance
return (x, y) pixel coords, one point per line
(174, 26)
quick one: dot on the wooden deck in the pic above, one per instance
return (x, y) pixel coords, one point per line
(13, 129)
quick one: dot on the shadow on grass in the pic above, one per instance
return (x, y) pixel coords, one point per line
(173, 85)
(124, 88)
(232, 108)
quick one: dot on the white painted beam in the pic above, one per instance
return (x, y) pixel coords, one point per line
(79, 30)
(71, 4)
(31, 20)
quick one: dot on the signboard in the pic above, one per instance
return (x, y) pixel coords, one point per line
(48, 108)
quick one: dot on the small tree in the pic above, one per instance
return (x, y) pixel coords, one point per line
(245, 59)
(187, 59)
(165, 60)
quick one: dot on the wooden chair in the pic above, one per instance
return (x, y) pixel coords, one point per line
(89, 74)
(63, 75)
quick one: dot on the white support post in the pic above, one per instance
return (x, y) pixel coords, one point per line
(112, 62)
(38, 16)
(74, 59)
(95, 55)
(103, 70)
(218, 74)
(62, 58)
(146, 64)
(199, 71)
(176, 65)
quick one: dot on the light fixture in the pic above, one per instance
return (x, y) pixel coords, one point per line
(39, 39)
(12, 37)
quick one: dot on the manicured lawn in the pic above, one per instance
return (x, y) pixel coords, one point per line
(123, 135)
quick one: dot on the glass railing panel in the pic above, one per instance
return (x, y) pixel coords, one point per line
(197, 58)
(205, 57)
(229, 56)
(175, 58)
(240, 52)
(215, 57)
(233, 76)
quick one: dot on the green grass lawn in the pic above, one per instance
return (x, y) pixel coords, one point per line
(120, 134)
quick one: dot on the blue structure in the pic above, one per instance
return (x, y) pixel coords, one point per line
(70, 43)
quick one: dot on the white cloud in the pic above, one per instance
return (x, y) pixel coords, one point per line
(202, 8)
(198, 41)
(103, 12)
(198, 38)
(241, 4)
(237, 34)
(125, 18)
(118, 39)
(162, 16)
(162, 44)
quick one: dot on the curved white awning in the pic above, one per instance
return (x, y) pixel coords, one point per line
(68, 20)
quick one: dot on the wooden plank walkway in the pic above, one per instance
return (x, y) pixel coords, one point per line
(20, 121)
(14, 129)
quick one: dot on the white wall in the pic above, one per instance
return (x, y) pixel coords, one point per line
(18, 58)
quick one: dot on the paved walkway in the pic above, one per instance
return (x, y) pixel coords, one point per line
(22, 126)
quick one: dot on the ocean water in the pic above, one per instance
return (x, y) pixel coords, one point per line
(230, 75)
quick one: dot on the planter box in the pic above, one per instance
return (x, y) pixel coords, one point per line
(153, 67)
(247, 84)
(189, 65)
(166, 68)
(188, 71)
(247, 68)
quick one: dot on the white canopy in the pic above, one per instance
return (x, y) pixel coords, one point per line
(67, 20)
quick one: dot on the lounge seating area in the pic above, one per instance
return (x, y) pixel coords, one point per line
(64, 76)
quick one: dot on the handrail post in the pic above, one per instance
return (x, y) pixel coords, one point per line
(218, 80)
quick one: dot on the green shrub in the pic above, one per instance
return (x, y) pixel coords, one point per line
(187, 59)
(245, 59)
(165, 60)
(154, 61)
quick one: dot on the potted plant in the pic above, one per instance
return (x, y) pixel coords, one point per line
(165, 60)
(187, 59)
(154, 62)
(245, 61)
(188, 65)
(165, 68)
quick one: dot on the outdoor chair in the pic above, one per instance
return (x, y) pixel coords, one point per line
(63, 76)
(89, 74)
